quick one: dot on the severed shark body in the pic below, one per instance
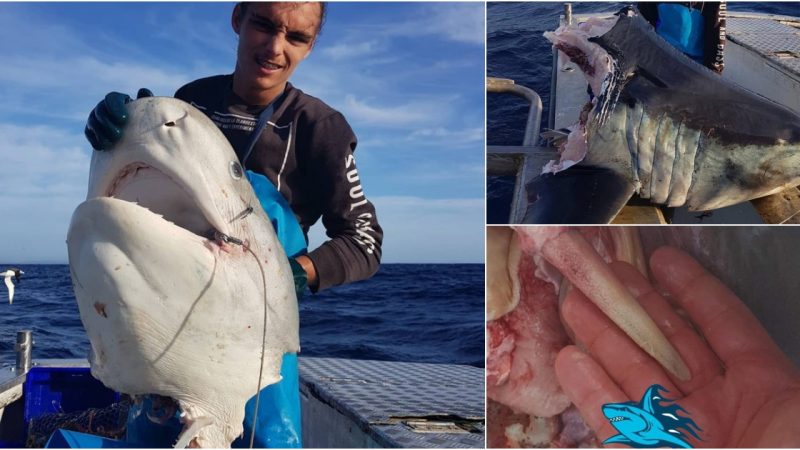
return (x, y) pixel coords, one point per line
(182, 286)
(661, 126)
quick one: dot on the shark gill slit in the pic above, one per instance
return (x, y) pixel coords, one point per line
(665, 146)
(631, 136)
(646, 154)
(654, 170)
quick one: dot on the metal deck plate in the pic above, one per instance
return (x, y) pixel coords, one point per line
(378, 393)
(769, 37)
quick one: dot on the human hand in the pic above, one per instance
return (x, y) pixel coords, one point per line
(744, 392)
(105, 123)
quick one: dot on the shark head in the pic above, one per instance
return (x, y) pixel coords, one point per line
(181, 283)
(653, 422)
(630, 420)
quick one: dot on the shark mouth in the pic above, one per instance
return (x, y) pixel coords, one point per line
(156, 191)
(617, 419)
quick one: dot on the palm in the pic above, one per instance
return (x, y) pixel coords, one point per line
(734, 412)
(743, 392)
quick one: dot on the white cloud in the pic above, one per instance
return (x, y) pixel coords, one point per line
(451, 137)
(42, 161)
(415, 112)
(348, 51)
(44, 174)
(421, 230)
(458, 22)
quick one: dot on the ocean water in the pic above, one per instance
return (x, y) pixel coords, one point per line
(429, 313)
(516, 49)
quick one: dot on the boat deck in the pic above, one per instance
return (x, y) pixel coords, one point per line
(395, 404)
(345, 403)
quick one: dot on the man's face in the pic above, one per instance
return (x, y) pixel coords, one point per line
(273, 39)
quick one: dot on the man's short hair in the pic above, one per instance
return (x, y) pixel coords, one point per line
(323, 14)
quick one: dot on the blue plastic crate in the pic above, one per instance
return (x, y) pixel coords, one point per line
(49, 390)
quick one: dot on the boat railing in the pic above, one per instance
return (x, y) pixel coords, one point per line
(507, 86)
(23, 349)
(520, 161)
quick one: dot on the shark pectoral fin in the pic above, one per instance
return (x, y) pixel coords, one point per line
(617, 439)
(581, 194)
(190, 432)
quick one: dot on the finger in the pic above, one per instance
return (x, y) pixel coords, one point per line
(102, 123)
(703, 363)
(729, 327)
(115, 103)
(588, 386)
(92, 138)
(626, 363)
(103, 131)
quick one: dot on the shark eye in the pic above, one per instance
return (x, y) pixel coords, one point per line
(236, 170)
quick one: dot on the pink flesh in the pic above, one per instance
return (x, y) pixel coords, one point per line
(571, 152)
(592, 59)
(522, 374)
(529, 431)
(595, 63)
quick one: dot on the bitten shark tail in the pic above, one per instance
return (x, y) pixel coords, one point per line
(580, 195)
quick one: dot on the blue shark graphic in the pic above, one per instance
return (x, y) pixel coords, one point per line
(650, 423)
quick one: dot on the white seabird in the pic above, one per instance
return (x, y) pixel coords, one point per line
(13, 272)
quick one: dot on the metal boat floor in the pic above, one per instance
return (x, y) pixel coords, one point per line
(774, 37)
(386, 399)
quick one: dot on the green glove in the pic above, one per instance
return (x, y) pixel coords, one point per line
(300, 277)
(104, 126)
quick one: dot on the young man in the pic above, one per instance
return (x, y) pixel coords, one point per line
(305, 150)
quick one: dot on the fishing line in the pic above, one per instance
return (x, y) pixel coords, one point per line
(790, 217)
(263, 345)
(232, 240)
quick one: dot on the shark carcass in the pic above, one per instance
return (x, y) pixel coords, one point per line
(182, 286)
(660, 126)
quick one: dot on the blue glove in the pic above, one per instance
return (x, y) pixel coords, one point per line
(105, 123)
(278, 424)
(300, 277)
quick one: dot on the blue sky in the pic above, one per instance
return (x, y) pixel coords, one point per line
(409, 78)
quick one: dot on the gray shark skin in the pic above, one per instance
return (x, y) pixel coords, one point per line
(672, 131)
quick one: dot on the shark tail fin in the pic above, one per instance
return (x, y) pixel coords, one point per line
(617, 439)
